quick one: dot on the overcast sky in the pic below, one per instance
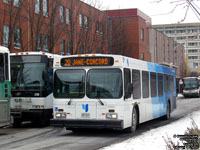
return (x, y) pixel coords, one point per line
(154, 10)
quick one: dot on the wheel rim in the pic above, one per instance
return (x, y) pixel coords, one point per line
(134, 119)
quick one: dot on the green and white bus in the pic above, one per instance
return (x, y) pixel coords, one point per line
(5, 86)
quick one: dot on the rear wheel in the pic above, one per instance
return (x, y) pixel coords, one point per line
(17, 122)
(134, 122)
(168, 112)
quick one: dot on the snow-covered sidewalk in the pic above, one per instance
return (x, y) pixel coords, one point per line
(154, 139)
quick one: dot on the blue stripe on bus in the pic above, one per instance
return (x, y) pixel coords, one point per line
(159, 103)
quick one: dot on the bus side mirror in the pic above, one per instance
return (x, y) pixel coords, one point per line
(129, 91)
(51, 79)
(44, 74)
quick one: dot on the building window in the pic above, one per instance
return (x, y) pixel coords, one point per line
(169, 31)
(192, 57)
(16, 3)
(67, 16)
(38, 42)
(17, 38)
(45, 8)
(181, 38)
(192, 51)
(37, 6)
(101, 28)
(97, 27)
(195, 65)
(81, 49)
(192, 37)
(62, 47)
(142, 34)
(81, 20)
(6, 1)
(142, 56)
(86, 22)
(45, 43)
(61, 14)
(193, 44)
(68, 47)
(192, 30)
(5, 35)
(86, 50)
(181, 31)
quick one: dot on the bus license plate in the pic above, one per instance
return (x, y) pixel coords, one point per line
(85, 115)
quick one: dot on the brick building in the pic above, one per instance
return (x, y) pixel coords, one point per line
(56, 26)
(74, 27)
(164, 50)
(131, 34)
(128, 33)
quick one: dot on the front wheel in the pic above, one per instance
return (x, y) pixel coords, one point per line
(134, 122)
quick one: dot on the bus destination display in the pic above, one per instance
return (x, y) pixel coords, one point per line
(87, 61)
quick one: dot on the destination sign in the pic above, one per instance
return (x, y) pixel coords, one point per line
(87, 61)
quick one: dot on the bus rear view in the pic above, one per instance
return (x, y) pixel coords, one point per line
(191, 87)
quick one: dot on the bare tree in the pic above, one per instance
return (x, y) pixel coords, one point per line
(82, 32)
(11, 17)
(185, 4)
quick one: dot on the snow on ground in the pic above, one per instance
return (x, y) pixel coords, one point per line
(153, 139)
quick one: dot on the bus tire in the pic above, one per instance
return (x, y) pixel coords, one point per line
(168, 112)
(134, 122)
(17, 122)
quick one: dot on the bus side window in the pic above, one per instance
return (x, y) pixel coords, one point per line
(166, 83)
(127, 80)
(153, 84)
(145, 84)
(6, 67)
(136, 84)
(171, 83)
(1, 68)
(160, 84)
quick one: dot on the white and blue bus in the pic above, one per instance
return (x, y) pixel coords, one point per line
(110, 91)
(32, 98)
(5, 86)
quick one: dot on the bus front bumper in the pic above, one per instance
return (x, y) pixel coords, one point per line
(79, 123)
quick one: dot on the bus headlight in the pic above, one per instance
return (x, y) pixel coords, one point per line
(60, 115)
(111, 115)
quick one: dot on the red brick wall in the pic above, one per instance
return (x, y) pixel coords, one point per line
(95, 41)
(131, 33)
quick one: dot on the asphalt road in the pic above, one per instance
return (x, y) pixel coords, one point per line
(29, 137)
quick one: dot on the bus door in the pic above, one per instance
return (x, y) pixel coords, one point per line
(127, 96)
(156, 101)
(5, 93)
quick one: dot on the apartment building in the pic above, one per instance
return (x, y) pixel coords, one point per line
(55, 26)
(187, 34)
(164, 50)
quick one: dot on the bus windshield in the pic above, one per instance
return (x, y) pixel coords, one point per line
(69, 83)
(27, 75)
(27, 72)
(190, 83)
(104, 83)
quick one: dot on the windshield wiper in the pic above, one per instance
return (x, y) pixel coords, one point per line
(70, 101)
(98, 95)
(100, 101)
